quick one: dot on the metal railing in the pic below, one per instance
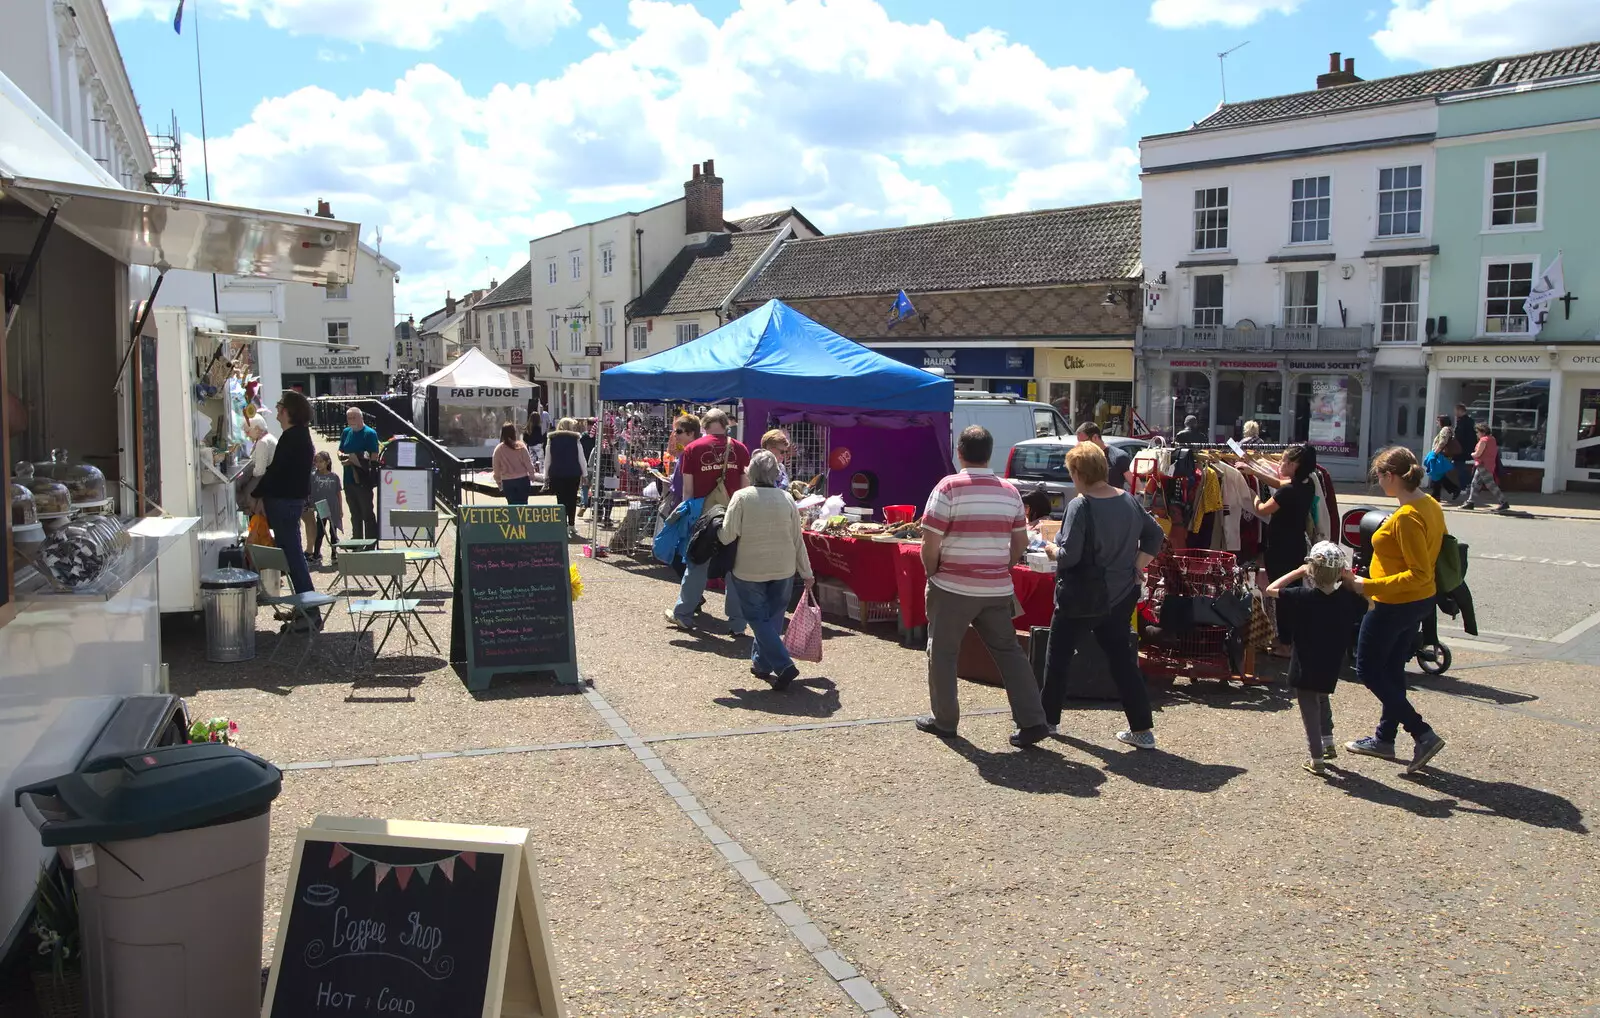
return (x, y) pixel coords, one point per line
(449, 470)
(1272, 338)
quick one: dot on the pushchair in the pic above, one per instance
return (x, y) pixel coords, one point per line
(1431, 654)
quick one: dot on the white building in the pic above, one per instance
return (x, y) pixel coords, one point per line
(342, 335)
(65, 58)
(1287, 249)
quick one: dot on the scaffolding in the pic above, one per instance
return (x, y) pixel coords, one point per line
(167, 177)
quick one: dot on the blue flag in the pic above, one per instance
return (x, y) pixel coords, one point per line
(177, 19)
(902, 309)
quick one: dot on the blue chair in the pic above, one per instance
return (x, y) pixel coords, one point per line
(388, 570)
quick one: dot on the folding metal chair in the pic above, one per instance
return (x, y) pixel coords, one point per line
(388, 569)
(303, 608)
(418, 529)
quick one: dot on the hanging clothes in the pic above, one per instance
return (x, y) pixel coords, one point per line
(1319, 521)
(1238, 502)
(1209, 500)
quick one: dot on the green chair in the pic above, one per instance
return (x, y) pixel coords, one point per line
(388, 570)
(305, 609)
(418, 529)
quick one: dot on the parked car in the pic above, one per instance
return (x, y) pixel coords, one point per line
(1042, 462)
(1010, 419)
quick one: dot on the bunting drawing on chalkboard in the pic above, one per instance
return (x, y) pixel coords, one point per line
(402, 874)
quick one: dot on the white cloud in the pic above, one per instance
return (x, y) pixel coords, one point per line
(828, 105)
(1232, 13)
(1443, 32)
(407, 24)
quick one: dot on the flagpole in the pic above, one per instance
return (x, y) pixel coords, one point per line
(205, 154)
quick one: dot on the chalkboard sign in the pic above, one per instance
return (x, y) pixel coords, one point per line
(513, 614)
(386, 917)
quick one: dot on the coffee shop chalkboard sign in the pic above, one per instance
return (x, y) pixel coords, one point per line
(513, 604)
(395, 917)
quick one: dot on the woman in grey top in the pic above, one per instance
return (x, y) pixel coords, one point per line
(1126, 539)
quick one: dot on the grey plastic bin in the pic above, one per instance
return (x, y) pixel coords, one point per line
(171, 899)
(229, 599)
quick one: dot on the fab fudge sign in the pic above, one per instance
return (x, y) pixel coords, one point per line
(395, 917)
(483, 392)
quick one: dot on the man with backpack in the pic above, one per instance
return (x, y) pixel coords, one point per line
(713, 469)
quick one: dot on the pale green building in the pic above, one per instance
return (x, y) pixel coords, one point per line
(1516, 174)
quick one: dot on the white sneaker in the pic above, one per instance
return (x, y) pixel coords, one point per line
(1138, 740)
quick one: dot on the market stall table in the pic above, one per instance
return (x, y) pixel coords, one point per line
(867, 567)
(1035, 590)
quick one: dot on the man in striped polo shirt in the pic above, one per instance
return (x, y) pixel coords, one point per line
(973, 531)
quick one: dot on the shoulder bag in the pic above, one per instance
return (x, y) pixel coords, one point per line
(1081, 588)
(718, 495)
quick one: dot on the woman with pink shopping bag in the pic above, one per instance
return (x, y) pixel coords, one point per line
(763, 520)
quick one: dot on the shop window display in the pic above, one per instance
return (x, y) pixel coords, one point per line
(1516, 409)
(1327, 413)
(1175, 395)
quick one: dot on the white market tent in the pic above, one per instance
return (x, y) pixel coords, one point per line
(474, 380)
(474, 397)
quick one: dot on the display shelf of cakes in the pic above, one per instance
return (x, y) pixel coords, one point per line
(60, 521)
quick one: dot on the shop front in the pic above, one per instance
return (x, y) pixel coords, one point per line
(972, 368)
(1315, 399)
(333, 374)
(1542, 404)
(1088, 384)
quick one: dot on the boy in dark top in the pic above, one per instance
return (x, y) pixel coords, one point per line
(1320, 618)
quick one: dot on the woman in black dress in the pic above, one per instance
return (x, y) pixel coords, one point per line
(1286, 513)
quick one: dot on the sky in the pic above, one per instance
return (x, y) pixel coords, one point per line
(458, 130)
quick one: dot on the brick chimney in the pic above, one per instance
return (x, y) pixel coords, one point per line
(449, 303)
(1335, 76)
(323, 210)
(702, 210)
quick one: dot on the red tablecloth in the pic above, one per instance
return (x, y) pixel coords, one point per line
(1036, 591)
(866, 567)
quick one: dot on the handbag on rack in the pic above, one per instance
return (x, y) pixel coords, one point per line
(1081, 588)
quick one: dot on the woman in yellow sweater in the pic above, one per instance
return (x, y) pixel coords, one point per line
(1400, 585)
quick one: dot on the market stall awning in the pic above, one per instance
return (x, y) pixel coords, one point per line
(42, 168)
(475, 380)
(777, 354)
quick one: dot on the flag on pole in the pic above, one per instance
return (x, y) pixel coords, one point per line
(1546, 289)
(902, 310)
(177, 19)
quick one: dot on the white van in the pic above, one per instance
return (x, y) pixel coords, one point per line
(1010, 419)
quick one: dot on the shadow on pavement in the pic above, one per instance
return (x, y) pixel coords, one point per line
(1038, 770)
(1470, 690)
(1486, 798)
(805, 698)
(1159, 769)
(1223, 696)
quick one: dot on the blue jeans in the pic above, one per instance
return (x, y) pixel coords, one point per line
(764, 603)
(1387, 640)
(283, 516)
(517, 490)
(693, 589)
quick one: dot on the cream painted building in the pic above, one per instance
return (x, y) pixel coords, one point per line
(65, 58)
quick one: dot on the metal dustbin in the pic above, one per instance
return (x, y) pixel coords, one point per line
(168, 849)
(229, 599)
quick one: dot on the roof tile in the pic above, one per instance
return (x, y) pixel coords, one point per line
(1083, 244)
(517, 289)
(1584, 59)
(700, 278)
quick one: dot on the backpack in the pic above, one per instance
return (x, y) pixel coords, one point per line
(1450, 568)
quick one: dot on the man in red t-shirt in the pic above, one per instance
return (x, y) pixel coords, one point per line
(703, 459)
(703, 465)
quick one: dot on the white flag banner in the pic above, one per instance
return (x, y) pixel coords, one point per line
(1545, 290)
